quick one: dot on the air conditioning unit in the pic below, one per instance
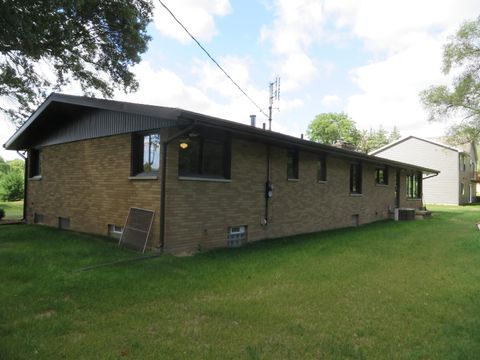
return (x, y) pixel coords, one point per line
(404, 214)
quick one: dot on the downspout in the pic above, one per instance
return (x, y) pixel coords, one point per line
(25, 189)
(268, 187)
(163, 187)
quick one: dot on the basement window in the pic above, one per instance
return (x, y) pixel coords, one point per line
(145, 154)
(64, 223)
(115, 231)
(38, 218)
(292, 164)
(34, 168)
(236, 236)
(355, 220)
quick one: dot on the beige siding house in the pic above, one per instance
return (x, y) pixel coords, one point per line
(208, 180)
(456, 182)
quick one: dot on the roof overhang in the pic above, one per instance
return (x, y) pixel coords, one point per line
(57, 102)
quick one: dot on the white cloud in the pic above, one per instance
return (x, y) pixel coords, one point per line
(196, 15)
(407, 39)
(297, 24)
(331, 100)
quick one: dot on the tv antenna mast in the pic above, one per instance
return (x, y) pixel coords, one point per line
(274, 96)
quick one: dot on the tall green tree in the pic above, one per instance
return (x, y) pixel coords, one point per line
(93, 42)
(374, 139)
(328, 128)
(460, 99)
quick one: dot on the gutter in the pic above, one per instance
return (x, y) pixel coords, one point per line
(163, 186)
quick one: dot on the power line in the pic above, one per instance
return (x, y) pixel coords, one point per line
(211, 58)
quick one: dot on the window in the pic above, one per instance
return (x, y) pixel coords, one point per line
(38, 218)
(462, 189)
(115, 231)
(381, 175)
(463, 162)
(34, 168)
(322, 168)
(145, 154)
(64, 223)
(355, 178)
(200, 156)
(237, 236)
(292, 164)
(414, 186)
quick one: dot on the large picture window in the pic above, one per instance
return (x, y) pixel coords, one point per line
(200, 156)
(292, 164)
(414, 185)
(355, 178)
(145, 154)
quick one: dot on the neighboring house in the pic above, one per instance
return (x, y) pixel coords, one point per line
(208, 180)
(456, 182)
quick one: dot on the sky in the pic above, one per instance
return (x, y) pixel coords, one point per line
(367, 58)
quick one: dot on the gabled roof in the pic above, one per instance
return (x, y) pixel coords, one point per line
(392, 144)
(25, 136)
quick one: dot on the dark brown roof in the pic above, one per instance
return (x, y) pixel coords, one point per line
(25, 136)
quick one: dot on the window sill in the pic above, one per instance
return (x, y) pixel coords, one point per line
(414, 199)
(356, 195)
(293, 180)
(35, 178)
(382, 185)
(142, 177)
(199, 178)
(322, 181)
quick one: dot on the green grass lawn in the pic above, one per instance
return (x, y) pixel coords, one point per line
(13, 209)
(391, 290)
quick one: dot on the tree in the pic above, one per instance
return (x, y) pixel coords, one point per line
(375, 139)
(11, 186)
(93, 42)
(461, 99)
(11, 179)
(3, 166)
(331, 127)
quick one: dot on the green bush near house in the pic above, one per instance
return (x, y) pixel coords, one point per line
(13, 210)
(390, 290)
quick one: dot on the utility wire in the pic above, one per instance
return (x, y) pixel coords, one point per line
(211, 58)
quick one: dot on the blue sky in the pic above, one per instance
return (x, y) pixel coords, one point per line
(368, 58)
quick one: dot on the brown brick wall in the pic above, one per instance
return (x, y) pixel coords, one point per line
(200, 212)
(88, 181)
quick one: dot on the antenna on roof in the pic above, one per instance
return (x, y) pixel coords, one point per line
(274, 96)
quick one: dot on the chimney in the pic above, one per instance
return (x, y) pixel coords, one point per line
(301, 136)
(263, 126)
(253, 120)
(343, 145)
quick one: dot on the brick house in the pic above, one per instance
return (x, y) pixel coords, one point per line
(90, 160)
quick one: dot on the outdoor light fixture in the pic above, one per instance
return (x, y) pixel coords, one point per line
(183, 145)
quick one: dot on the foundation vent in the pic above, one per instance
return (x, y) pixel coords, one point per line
(64, 223)
(38, 218)
(236, 236)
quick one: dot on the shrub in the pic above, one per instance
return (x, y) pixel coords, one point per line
(2, 214)
(11, 186)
